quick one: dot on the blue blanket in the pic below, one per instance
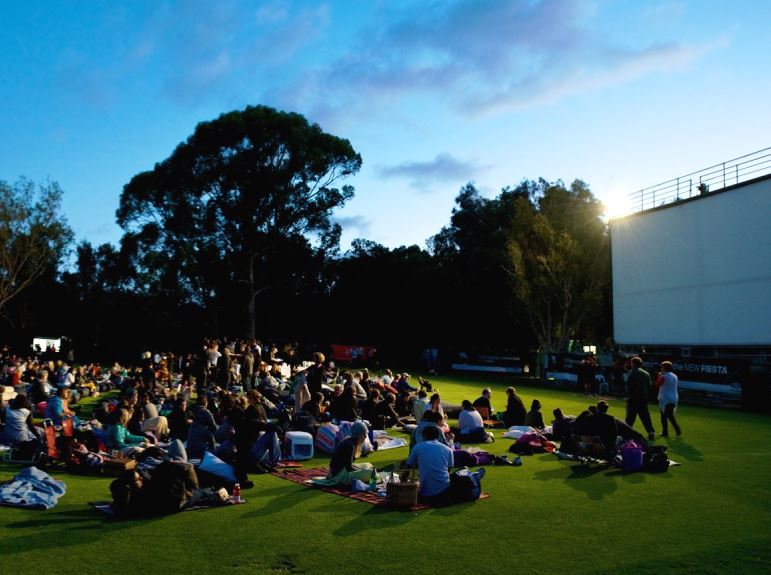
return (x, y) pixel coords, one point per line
(32, 488)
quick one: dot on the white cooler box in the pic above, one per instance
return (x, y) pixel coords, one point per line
(298, 445)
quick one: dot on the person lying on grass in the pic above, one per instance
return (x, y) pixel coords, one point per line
(169, 488)
(342, 467)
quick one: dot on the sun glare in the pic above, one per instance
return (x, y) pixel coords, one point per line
(616, 206)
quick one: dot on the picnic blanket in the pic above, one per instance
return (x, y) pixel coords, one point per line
(387, 442)
(33, 489)
(305, 476)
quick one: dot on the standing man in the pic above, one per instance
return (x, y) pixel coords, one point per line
(668, 398)
(638, 387)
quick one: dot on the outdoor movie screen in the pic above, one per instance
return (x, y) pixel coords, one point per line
(695, 273)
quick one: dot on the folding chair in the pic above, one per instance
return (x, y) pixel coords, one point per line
(67, 429)
(486, 421)
(16, 455)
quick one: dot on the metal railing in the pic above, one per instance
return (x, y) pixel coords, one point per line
(703, 181)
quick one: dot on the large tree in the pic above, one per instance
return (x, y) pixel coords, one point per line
(33, 234)
(559, 257)
(222, 208)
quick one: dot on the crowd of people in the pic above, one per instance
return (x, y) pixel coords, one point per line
(236, 400)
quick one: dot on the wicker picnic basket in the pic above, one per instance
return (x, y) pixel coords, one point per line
(115, 466)
(404, 494)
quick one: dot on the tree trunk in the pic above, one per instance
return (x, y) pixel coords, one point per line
(251, 312)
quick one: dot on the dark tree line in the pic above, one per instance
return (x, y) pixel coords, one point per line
(231, 235)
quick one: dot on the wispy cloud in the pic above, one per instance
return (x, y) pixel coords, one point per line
(485, 56)
(443, 168)
(348, 223)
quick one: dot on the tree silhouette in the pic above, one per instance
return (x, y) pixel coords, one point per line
(221, 208)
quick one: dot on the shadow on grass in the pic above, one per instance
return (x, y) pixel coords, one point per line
(37, 538)
(281, 502)
(681, 448)
(594, 480)
(373, 518)
(64, 517)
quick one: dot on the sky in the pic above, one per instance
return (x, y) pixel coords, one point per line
(432, 94)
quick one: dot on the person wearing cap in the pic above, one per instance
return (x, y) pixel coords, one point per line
(342, 469)
(404, 384)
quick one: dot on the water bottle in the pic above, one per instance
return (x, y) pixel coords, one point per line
(236, 497)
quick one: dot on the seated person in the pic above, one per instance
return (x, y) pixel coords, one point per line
(118, 436)
(435, 405)
(368, 406)
(484, 401)
(420, 404)
(151, 421)
(606, 426)
(581, 425)
(342, 469)
(433, 460)
(18, 430)
(201, 434)
(179, 420)
(403, 385)
(358, 390)
(58, 407)
(562, 425)
(403, 404)
(343, 407)
(316, 406)
(515, 413)
(431, 419)
(470, 425)
(384, 415)
(534, 417)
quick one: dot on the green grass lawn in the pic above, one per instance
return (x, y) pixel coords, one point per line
(710, 515)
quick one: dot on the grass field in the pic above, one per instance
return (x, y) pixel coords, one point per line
(710, 515)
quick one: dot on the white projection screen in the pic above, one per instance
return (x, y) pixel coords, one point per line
(695, 273)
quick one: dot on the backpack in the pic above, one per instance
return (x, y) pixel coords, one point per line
(466, 485)
(655, 459)
(631, 456)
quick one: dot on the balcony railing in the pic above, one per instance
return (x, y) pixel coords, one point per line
(703, 181)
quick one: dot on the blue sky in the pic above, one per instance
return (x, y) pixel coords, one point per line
(432, 94)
